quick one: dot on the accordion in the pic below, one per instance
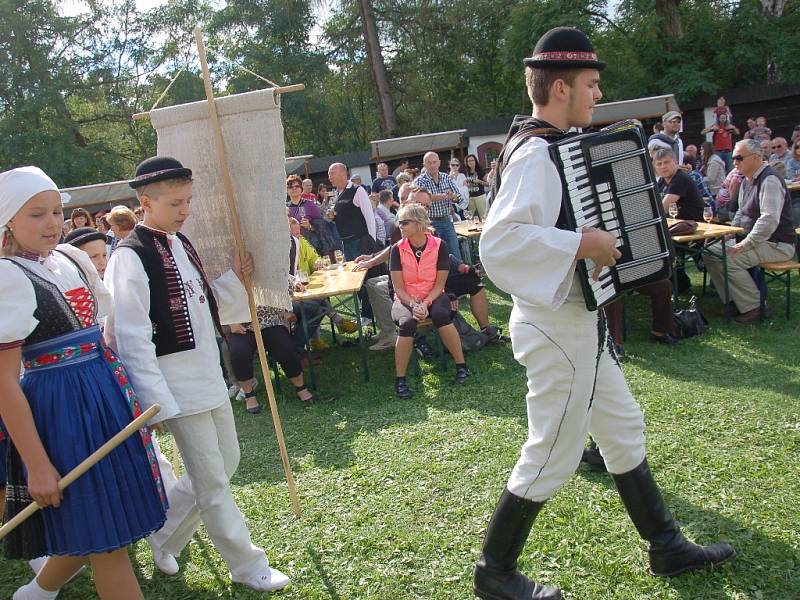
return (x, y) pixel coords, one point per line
(609, 184)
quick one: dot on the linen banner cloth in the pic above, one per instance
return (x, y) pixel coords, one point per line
(253, 135)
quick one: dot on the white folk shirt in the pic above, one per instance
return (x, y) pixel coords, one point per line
(183, 383)
(522, 251)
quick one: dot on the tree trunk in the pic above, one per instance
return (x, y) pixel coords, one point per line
(378, 67)
(668, 10)
(771, 8)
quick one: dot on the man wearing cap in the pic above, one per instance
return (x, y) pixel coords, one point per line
(166, 317)
(575, 385)
(670, 138)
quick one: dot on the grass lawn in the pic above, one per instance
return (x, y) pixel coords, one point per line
(396, 494)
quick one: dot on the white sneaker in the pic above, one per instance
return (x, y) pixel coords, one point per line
(165, 562)
(269, 581)
(233, 391)
(383, 343)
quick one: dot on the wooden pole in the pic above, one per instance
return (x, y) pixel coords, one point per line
(248, 284)
(87, 463)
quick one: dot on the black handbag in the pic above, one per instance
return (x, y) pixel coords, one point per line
(689, 322)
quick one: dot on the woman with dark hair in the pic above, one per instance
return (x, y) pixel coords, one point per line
(712, 168)
(81, 218)
(322, 194)
(476, 184)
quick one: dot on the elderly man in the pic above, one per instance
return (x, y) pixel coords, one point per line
(308, 191)
(670, 138)
(383, 181)
(780, 151)
(690, 153)
(765, 214)
(765, 148)
(353, 214)
(444, 193)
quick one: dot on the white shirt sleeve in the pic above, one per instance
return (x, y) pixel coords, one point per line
(130, 332)
(231, 299)
(17, 303)
(522, 250)
(362, 201)
(98, 288)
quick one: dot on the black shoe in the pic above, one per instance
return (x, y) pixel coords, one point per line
(253, 410)
(496, 575)
(670, 553)
(401, 388)
(619, 352)
(593, 458)
(667, 339)
(462, 374)
(495, 335)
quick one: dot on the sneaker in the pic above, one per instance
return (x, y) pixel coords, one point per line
(423, 349)
(402, 390)
(233, 392)
(347, 326)
(318, 345)
(592, 457)
(667, 339)
(462, 374)
(268, 581)
(165, 562)
(383, 343)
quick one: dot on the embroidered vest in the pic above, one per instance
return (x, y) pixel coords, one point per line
(349, 218)
(419, 277)
(750, 209)
(169, 309)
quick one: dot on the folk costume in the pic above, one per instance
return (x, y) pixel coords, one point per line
(575, 384)
(79, 394)
(166, 313)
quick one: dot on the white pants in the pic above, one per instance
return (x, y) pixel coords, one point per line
(378, 292)
(571, 391)
(209, 448)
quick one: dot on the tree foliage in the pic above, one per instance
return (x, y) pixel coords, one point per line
(69, 84)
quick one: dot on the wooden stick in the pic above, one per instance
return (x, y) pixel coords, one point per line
(85, 465)
(230, 195)
(283, 89)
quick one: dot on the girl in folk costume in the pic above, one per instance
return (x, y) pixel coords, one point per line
(165, 316)
(73, 397)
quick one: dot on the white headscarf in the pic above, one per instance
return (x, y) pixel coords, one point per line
(17, 186)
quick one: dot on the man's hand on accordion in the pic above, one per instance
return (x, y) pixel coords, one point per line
(600, 247)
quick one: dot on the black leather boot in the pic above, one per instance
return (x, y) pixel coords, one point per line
(496, 575)
(670, 553)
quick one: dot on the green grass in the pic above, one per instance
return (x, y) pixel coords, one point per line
(396, 494)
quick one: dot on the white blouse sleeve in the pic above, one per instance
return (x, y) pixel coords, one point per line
(231, 299)
(17, 303)
(520, 247)
(130, 332)
(98, 288)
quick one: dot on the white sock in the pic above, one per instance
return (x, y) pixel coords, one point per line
(33, 591)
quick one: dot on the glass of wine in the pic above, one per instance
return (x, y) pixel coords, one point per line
(708, 214)
(302, 277)
(673, 210)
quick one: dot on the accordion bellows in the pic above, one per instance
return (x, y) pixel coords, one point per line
(253, 135)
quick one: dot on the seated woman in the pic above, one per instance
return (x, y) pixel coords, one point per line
(419, 265)
(278, 342)
(662, 331)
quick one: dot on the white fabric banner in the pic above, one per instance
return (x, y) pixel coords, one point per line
(253, 135)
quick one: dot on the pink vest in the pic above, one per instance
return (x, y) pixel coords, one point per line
(419, 277)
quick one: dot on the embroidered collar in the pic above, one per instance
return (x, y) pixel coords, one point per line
(33, 256)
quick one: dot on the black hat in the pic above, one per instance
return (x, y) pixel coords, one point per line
(83, 235)
(564, 48)
(158, 168)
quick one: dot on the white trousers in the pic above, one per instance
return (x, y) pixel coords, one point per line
(572, 390)
(210, 452)
(378, 292)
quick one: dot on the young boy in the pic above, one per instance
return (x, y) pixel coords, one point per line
(165, 316)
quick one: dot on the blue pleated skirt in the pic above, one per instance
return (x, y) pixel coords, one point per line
(80, 397)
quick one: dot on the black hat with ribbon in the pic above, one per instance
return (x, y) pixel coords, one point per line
(564, 48)
(158, 168)
(83, 235)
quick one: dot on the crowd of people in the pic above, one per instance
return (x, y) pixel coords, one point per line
(86, 295)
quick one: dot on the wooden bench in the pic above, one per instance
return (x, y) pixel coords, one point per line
(778, 271)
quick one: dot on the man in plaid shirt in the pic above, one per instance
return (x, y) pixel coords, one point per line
(444, 194)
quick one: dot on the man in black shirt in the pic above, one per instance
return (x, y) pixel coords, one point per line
(677, 187)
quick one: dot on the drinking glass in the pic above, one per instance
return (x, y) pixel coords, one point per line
(302, 276)
(339, 255)
(301, 213)
(326, 261)
(673, 210)
(708, 214)
(467, 215)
